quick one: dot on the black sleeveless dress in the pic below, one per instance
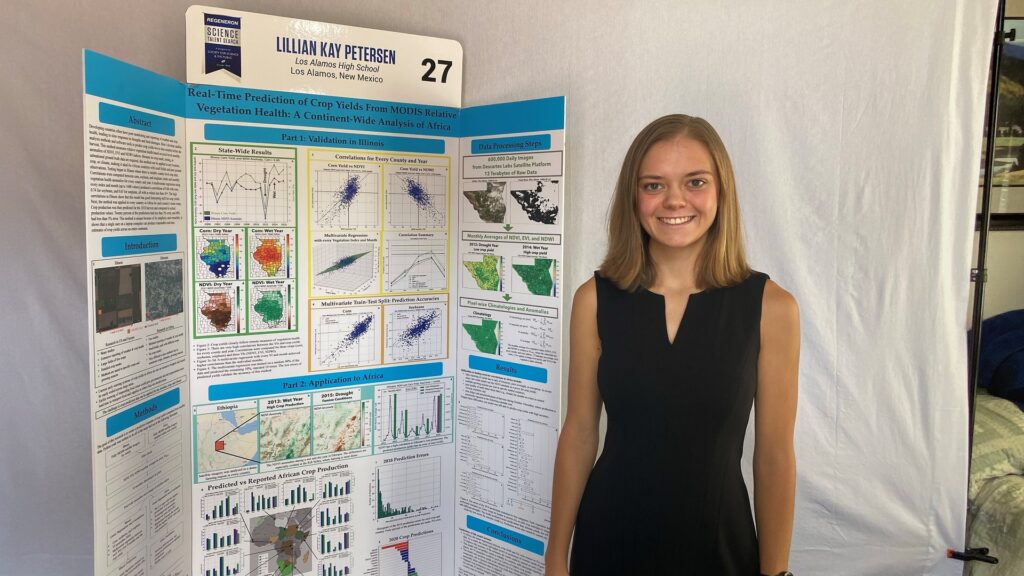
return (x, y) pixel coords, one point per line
(666, 495)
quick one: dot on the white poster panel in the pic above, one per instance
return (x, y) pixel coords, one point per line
(329, 249)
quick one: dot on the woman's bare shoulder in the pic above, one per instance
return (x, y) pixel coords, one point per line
(779, 309)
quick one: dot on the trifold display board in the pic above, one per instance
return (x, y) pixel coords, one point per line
(326, 300)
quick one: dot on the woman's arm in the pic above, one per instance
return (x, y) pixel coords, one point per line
(577, 444)
(775, 416)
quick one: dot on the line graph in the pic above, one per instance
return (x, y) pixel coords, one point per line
(415, 265)
(414, 333)
(344, 339)
(417, 200)
(242, 190)
(345, 198)
(344, 267)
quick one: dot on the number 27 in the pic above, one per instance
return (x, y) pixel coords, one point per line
(428, 76)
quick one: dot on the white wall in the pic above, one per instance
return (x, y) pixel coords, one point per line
(851, 126)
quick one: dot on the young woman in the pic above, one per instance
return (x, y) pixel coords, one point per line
(677, 337)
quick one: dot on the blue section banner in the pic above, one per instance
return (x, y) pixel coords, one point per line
(112, 79)
(264, 135)
(228, 104)
(134, 245)
(141, 412)
(513, 369)
(129, 118)
(323, 381)
(510, 536)
(541, 115)
(511, 145)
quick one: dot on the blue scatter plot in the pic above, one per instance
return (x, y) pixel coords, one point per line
(349, 192)
(217, 257)
(418, 328)
(343, 263)
(358, 330)
(417, 193)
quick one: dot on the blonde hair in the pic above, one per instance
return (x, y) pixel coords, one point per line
(722, 260)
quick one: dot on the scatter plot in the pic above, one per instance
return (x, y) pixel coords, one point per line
(345, 198)
(414, 266)
(417, 200)
(486, 205)
(343, 339)
(270, 305)
(482, 272)
(163, 289)
(243, 190)
(536, 200)
(216, 252)
(537, 276)
(118, 296)
(218, 306)
(414, 333)
(271, 253)
(344, 267)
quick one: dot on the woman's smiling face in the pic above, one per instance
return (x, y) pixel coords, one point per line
(677, 193)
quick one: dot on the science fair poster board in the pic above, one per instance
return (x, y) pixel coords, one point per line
(325, 307)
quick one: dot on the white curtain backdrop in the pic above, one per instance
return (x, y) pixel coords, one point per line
(855, 129)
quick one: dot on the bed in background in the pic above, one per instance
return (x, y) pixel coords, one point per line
(995, 515)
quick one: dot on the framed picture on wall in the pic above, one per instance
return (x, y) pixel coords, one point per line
(1007, 200)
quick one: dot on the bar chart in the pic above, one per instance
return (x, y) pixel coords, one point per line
(334, 514)
(262, 499)
(408, 487)
(407, 413)
(297, 493)
(336, 567)
(335, 542)
(420, 555)
(220, 506)
(222, 564)
(335, 488)
(220, 537)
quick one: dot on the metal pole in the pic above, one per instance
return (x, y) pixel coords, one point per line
(986, 214)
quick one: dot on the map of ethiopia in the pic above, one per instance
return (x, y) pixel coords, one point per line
(226, 440)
